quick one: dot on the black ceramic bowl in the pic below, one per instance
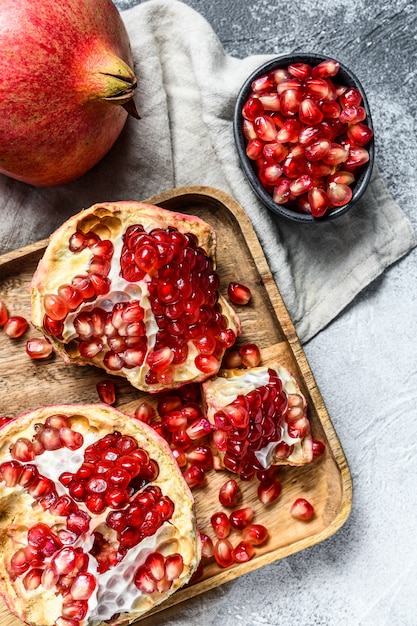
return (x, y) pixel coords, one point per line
(363, 175)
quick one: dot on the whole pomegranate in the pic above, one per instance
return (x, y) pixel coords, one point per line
(65, 69)
(97, 521)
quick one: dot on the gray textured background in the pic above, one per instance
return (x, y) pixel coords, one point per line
(365, 362)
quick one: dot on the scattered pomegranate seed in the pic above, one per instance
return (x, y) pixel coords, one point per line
(238, 293)
(38, 348)
(223, 553)
(243, 552)
(221, 524)
(269, 490)
(207, 547)
(250, 355)
(106, 391)
(3, 313)
(299, 125)
(144, 412)
(228, 493)
(302, 509)
(256, 534)
(318, 448)
(240, 518)
(15, 326)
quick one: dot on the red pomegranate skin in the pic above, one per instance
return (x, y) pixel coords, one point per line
(59, 62)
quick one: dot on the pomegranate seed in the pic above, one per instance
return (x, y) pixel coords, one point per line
(50, 439)
(144, 413)
(202, 456)
(289, 131)
(32, 580)
(252, 109)
(174, 421)
(174, 565)
(301, 185)
(243, 552)
(228, 493)
(231, 359)
(359, 134)
(18, 562)
(290, 100)
(250, 355)
(106, 391)
(38, 348)
(274, 152)
(144, 580)
(15, 326)
(10, 472)
(223, 553)
(317, 150)
(83, 586)
(269, 491)
(339, 194)
(309, 112)
(302, 509)
(325, 69)
(350, 97)
(74, 609)
(238, 293)
(22, 450)
(265, 128)
(318, 448)
(346, 178)
(199, 428)
(208, 364)
(356, 158)
(282, 192)
(352, 114)
(263, 83)
(248, 130)
(4, 314)
(319, 201)
(49, 577)
(240, 518)
(71, 439)
(78, 522)
(155, 563)
(207, 547)
(299, 70)
(55, 307)
(194, 476)
(254, 149)
(221, 524)
(256, 534)
(71, 296)
(279, 75)
(270, 102)
(180, 456)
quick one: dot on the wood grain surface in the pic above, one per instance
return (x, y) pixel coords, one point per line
(326, 482)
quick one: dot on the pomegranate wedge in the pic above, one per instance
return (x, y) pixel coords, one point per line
(260, 417)
(133, 289)
(91, 523)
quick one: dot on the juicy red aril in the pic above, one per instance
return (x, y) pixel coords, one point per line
(240, 518)
(339, 194)
(318, 448)
(106, 391)
(144, 413)
(194, 476)
(312, 113)
(243, 552)
(221, 524)
(238, 293)
(269, 490)
(15, 326)
(22, 450)
(256, 534)
(250, 355)
(207, 547)
(4, 314)
(202, 456)
(302, 509)
(252, 109)
(228, 493)
(174, 566)
(83, 586)
(38, 348)
(10, 472)
(223, 552)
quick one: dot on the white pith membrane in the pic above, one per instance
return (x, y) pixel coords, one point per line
(60, 265)
(115, 593)
(223, 390)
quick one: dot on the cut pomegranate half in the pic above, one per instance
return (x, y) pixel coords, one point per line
(133, 289)
(260, 417)
(94, 522)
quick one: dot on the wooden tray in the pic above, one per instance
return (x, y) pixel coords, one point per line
(326, 482)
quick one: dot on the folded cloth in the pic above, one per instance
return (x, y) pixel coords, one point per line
(187, 90)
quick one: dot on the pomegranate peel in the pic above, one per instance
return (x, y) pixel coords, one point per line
(60, 559)
(132, 288)
(260, 419)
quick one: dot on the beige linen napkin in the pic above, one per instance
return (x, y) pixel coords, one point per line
(186, 94)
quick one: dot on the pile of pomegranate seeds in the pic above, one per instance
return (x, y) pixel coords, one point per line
(306, 136)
